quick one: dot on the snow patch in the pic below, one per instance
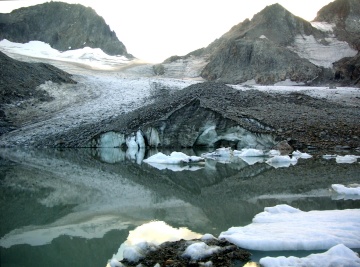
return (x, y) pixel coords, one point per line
(321, 54)
(95, 58)
(323, 26)
(200, 250)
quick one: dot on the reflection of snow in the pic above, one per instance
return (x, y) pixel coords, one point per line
(285, 228)
(281, 161)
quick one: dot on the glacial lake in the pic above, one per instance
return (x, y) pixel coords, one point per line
(76, 207)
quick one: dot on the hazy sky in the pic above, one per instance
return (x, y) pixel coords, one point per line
(154, 30)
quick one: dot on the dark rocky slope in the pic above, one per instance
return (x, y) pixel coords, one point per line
(18, 81)
(63, 26)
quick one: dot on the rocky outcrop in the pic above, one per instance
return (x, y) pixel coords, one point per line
(18, 80)
(345, 15)
(276, 45)
(347, 71)
(237, 61)
(63, 26)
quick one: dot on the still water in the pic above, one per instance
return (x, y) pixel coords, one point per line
(76, 207)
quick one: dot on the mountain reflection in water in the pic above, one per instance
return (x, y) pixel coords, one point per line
(75, 208)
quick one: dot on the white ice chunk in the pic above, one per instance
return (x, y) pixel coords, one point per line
(346, 159)
(115, 263)
(338, 255)
(140, 139)
(286, 228)
(173, 158)
(301, 155)
(344, 190)
(200, 250)
(281, 161)
(111, 139)
(138, 251)
(274, 152)
(131, 142)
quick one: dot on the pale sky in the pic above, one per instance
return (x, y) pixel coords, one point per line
(154, 30)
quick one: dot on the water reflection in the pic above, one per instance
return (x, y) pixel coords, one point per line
(52, 200)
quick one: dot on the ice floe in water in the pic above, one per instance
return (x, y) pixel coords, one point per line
(346, 192)
(173, 158)
(301, 155)
(338, 255)
(176, 161)
(346, 159)
(286, 228)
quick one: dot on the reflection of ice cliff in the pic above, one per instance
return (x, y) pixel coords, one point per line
(113, 196)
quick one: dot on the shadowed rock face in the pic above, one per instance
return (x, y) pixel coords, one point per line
(19, 79)
(347, 70)
(63, 26)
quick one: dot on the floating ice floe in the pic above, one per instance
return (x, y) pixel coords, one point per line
(281, 161)
(301, 155)
(347, 192)
(286, 228)
(338, 255)
(346, 159)
(173, 158)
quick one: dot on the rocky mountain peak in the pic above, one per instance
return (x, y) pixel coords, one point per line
(63, 26)
(275, 23)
